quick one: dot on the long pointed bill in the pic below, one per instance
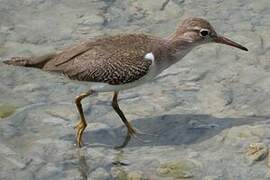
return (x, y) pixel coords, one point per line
(223, 40)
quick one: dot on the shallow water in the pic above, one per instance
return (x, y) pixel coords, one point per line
(204, 111)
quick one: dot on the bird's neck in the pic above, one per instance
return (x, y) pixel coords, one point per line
(171, 51)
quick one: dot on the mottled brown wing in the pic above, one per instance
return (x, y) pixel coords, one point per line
(113, 60)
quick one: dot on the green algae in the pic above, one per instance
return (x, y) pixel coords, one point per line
(6, 110)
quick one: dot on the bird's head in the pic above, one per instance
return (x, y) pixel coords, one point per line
(200, 31)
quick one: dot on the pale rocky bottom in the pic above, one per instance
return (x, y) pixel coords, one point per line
(209, 113)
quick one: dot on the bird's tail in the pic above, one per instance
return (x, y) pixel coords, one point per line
(35, 62)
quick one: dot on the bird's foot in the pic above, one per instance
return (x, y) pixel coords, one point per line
(134, 133)
(80, 127)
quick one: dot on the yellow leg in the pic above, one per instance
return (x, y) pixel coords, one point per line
(82, 123)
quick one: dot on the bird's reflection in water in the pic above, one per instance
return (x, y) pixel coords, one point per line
(83, 166)
(118, 161)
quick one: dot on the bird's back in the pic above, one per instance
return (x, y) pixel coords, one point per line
(114, 60)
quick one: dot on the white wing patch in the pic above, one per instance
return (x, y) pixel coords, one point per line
(150, 56)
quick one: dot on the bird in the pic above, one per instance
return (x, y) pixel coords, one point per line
(118, 62)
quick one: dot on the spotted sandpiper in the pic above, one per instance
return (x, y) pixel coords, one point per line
(120, 62)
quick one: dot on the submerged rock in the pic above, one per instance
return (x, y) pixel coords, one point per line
(177, 169)
(119, 173)
(136, 175)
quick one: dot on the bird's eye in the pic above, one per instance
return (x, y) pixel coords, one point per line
(204, 32)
